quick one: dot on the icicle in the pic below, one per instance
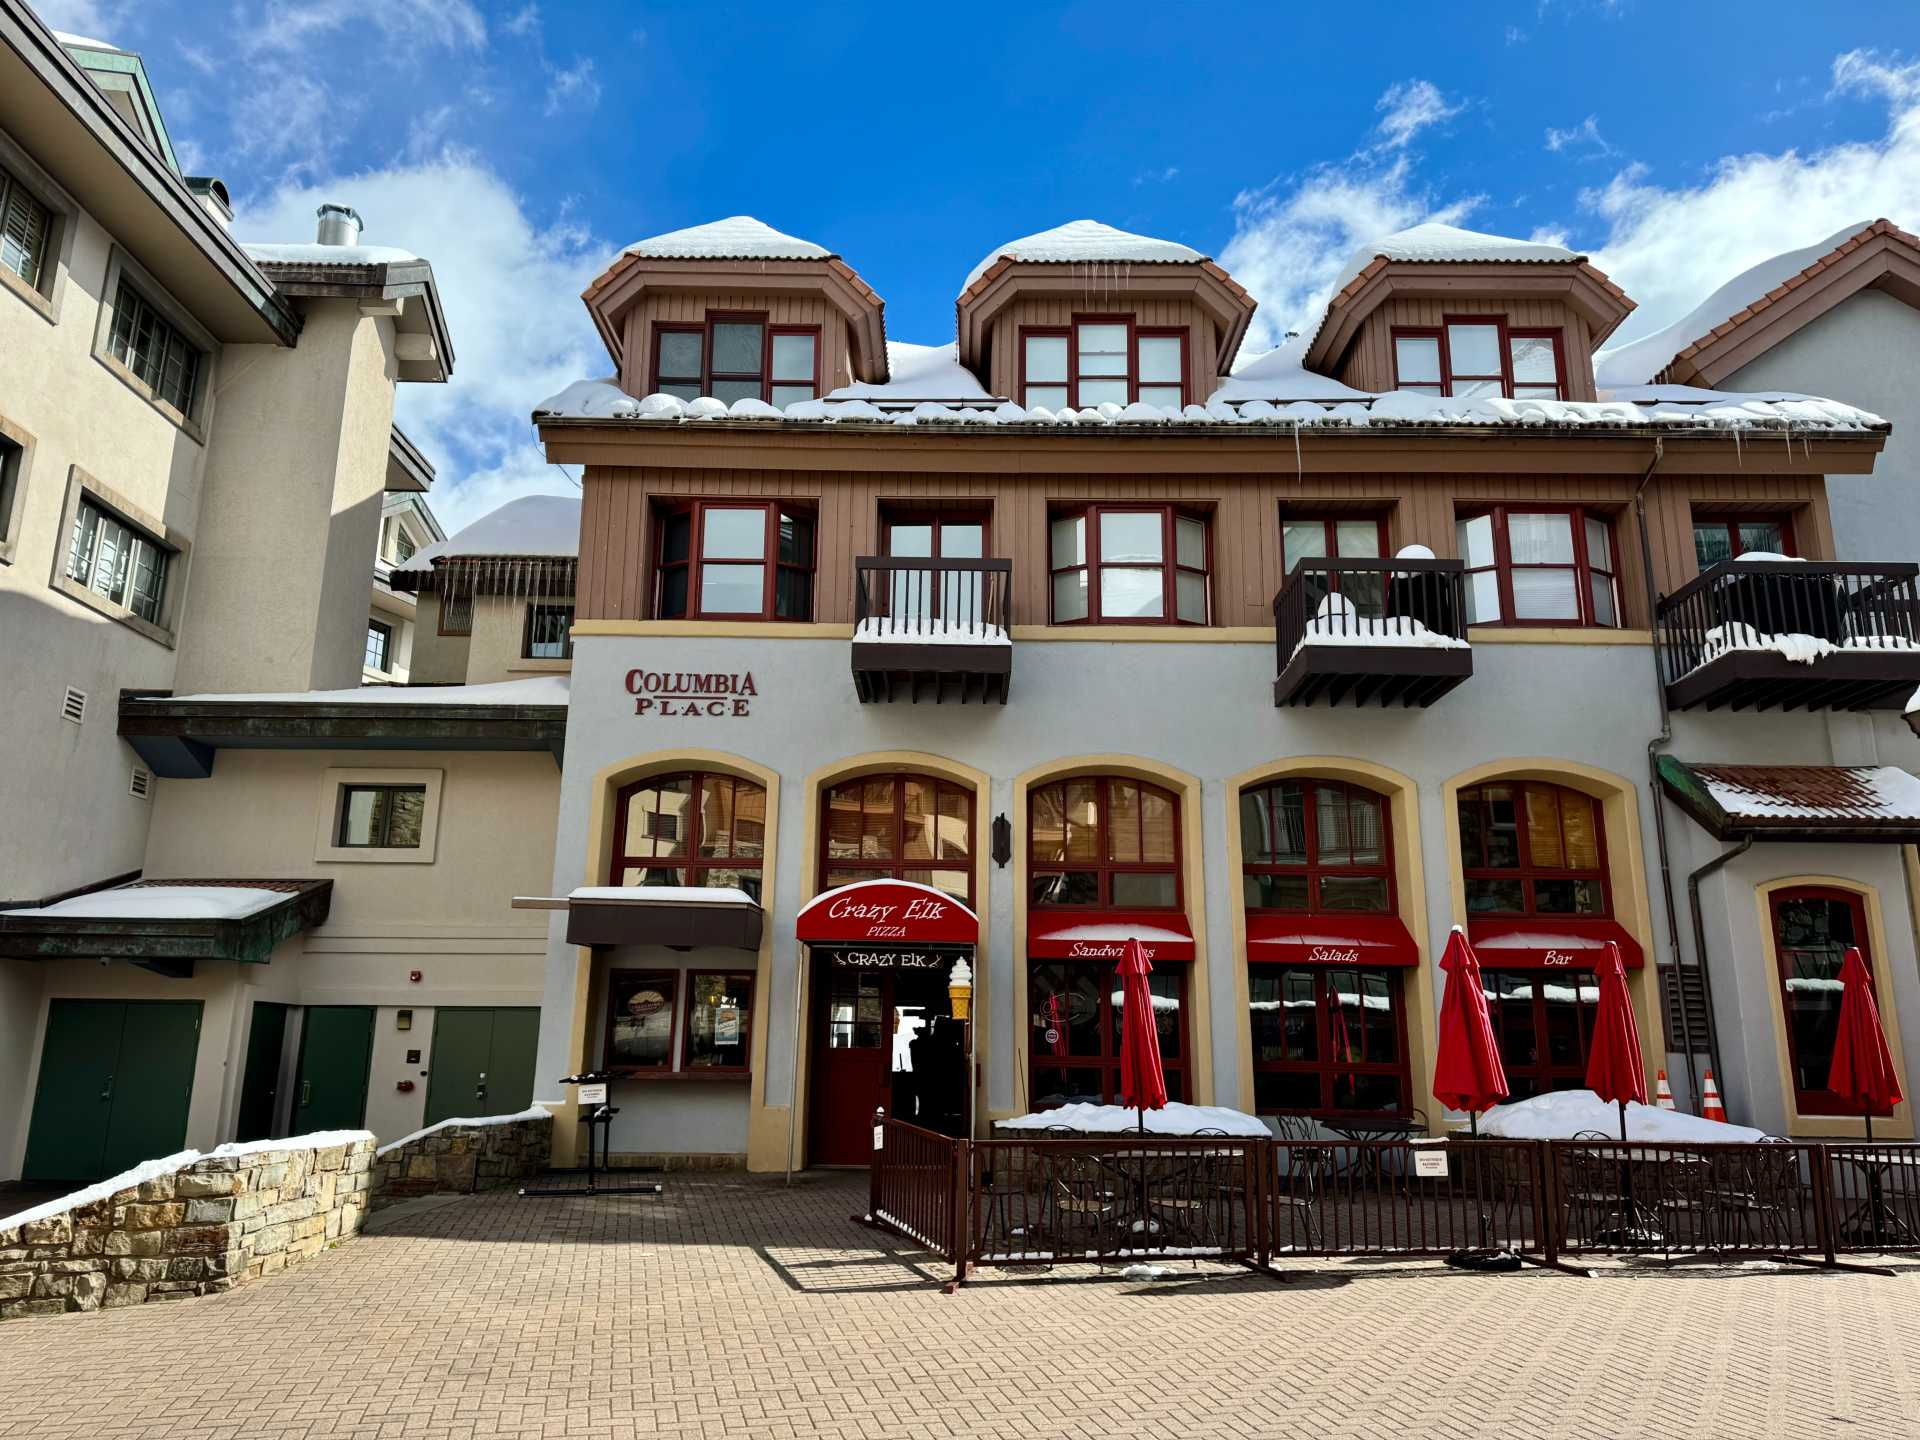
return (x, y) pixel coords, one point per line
(1298, 472)
(1739, 456)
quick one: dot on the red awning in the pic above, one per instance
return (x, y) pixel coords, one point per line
(886, 913)
(1103, 934)
(1548, 942)
(1330, 940)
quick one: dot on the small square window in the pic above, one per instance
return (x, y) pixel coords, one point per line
(549, 632)
(381, 817)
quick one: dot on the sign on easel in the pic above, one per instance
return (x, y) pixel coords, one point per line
(593, 1094)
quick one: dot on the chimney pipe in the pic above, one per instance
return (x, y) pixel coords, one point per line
(339, 225)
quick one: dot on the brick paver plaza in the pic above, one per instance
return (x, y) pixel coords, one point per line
(737, 1307)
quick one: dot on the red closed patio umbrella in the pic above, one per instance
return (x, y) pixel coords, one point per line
(1143, 1083)
(1467, 1073)
(1862, 1069)
(1615, 1069)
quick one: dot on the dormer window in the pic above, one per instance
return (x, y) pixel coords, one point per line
(737, 357)
(1476, 357)
(1101, 360)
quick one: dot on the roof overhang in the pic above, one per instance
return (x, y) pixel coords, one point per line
(620, 287)
(408, 471)
(638, 915)
(530, 575)
(178, 739)
(129, 187)
(1823, 811)
(1575, 283)
(1880, 257)
(403, 289)
(170, 946)
(1202, 282)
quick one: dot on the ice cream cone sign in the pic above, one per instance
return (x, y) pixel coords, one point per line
(1663, 1093)
(960, 990)
(1710, 1106)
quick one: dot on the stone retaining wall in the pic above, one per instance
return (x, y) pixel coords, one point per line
(205, 1228)
(460, 1159)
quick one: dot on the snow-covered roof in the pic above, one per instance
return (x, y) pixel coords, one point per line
(1845, 793)
(1087, 241)
(664, 894)
(312, 254)
(540, 690)
(533, 525)
(152, 901)
(86, 44)
(1281, 375)
(738, 237)
(1638, 361)
(918, 372)
(1449, 244)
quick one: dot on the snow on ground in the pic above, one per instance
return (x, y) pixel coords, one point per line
(1562, 1114)
(532, 1112)
(1087, 241)
(311, 254)
(160, 902)
(927, 630)
(738, 237)
(664, 894)
(533, 525)
(540, 690)
(1173, 1118)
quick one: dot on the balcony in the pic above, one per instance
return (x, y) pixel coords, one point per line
(1792, 635)
(1381, 632)
(931, 630)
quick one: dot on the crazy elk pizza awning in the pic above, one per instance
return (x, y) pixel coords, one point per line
(887, 913)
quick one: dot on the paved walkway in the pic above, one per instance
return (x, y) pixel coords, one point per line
(734, 1307)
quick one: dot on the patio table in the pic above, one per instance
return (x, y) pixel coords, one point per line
(1873, 1219)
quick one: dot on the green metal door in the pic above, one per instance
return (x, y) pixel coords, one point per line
(116, 1077)
(336, 1051)
(260, 1080)
(482, 1062)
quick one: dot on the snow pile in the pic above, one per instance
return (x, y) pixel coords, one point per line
(1635, 362)
(1089, 242)
(928, 630)
(532, 1112)
(1281, 375)
(169, 1164)
(1337, 622)
(1799, 648)
(533, 525)
(541, 690)
(1884, 791)
(664, 894)
(311, 254)
(738, 237)
(1173, 1118)
(915, 373)
(160, 902)
(1562, 1114)
(1449, 244)
(81, 40)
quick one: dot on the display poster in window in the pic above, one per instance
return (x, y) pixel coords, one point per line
(642, 1011)
(726, 1025)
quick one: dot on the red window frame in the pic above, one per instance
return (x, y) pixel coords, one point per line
(704, 329)
(672, 982)
(1582, 566)
(696, 866)
(1731, 521)
(772, 567)
(1315, 869)
(1507, 335)
(741, 980)
(1169, 564)
(1135, 333)
(1325, 1066)
(1535, 1072)
(895, 865)
(1104, 867)
(1821, 1101)
(1526, 872)
(1041, 1056)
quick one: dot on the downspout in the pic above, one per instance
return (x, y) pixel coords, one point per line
(1700, 944)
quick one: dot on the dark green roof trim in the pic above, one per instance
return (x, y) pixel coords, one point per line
(167, 947)
(125, 62)
(1689, 791)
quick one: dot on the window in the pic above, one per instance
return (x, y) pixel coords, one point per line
(737, 357)
(379, 646)
(1102, 360)
(755, 562)
(403, 548)
(1314, 537)
(26, 227)
(1130, 565)
(1540, 567)
(1812, 930)
(1473, 357)
(156, 352)
(1074, 1012)
(693, 829)
(380, 817)
(549, 632)
(640, 1015)
(456, 614)
(1315, 847)
(117, 562)
(13, 459)
(1327, 1041)
(936, 535)
(719, 1026)
(1529, 848)
(1104, 842)
(1717, 538)
(900, 827)
(1543, 1023)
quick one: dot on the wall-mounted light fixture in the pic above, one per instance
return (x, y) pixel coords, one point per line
(1002, 841)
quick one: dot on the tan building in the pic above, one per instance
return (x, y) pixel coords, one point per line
(407, 526)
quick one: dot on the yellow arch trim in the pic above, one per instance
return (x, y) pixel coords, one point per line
(1410, 889)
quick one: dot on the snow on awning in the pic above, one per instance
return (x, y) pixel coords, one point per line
(1362, 940)
(1865, 803)
(1549, 942)
(167, 925)
(681, 917)
(1103, 934)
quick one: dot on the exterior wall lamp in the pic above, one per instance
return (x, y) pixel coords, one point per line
(1002, 841)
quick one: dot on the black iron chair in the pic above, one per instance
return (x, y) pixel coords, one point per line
(1303, 1172)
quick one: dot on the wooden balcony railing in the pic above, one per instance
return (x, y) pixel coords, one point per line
(1380, 631)
(931, 629)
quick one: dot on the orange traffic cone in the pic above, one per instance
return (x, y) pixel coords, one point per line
(1710, 1106)
(1663, 1093)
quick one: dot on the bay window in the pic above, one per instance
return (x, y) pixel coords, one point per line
(1100, 360)
(734, 560)
(1540, 566)
(1130, 565)
(1478, 356)
(737, 357)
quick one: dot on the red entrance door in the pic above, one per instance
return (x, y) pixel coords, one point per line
(882, 1038)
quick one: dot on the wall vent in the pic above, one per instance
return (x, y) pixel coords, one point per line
(141, 786)
(74, 706)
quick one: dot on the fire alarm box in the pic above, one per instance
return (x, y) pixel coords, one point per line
(404, 1087)
(413, 976)
(403, 1020)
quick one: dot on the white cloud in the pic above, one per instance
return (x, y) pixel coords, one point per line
(290, 118)
(1586, 135)
(525, 21)
(1408, 108)
(292, 24)
(508, 280)
(95, 19)
(572, 87)
(1156, 177)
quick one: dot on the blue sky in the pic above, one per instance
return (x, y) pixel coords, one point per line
(518, 145)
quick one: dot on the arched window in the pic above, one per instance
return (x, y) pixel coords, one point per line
(1530, 848)
(690, 829)
(1812, 929)
(1315, 846)
(899, 827)
(1104, 842)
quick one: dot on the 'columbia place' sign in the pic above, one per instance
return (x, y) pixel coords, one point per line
(675, 693)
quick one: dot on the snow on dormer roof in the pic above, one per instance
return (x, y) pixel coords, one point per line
(1087, 241)
(738, 237)
(1449, 244)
